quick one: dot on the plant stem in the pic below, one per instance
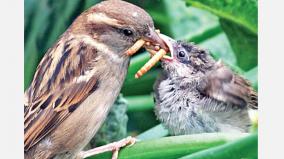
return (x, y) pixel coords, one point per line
(140, 103)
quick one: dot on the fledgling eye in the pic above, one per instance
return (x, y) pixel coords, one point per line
(127, 32)
(182, 56)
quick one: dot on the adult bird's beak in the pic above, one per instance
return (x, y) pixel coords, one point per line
(149, 41)
(155, 39)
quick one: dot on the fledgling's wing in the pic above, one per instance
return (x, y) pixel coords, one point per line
(64, 78)
(229, 87)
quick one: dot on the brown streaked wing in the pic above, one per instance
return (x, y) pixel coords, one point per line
(55, 93)
(226, 86)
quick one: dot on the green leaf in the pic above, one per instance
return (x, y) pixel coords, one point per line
(177, 20)
(153, 133)
(245, 148)
(187, 22)
(243, 42)
(243, 13)
(251, 75)
(206, 34)
(172, 147)
(239, 21)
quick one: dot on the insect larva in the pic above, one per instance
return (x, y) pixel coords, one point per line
(135, 47)
(151, 63)
(138, 45)
(153, 52)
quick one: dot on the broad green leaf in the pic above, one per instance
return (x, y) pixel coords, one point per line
(243, 42)
(187, 22)
(239, 21)
(172, 147)
(245, 148)
(241, 12)
(206, 34)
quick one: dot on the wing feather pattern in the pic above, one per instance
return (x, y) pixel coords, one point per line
(226, 86)
(57, 88)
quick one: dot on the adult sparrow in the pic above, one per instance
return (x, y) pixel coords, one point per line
(79, 78)
(196, 94)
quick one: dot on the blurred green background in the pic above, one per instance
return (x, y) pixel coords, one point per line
(227, 28)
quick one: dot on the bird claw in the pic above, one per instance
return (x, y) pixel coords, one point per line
(114, 147)
(131, 141)
(127, 142)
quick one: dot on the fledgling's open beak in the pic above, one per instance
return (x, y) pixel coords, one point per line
(169, 42)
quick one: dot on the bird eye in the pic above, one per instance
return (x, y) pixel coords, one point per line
(181, 54)
(127, 32)
(148, 34)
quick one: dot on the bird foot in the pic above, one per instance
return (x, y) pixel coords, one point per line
(115, 147)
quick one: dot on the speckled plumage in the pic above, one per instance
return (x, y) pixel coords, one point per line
(196, 94)
(79, 78)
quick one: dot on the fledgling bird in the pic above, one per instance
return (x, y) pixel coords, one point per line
(79, 78)
(196, 94)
